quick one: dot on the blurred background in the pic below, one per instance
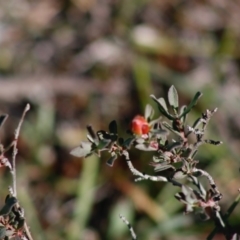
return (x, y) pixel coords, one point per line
(80, 62)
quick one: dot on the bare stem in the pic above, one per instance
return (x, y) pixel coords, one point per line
(211, 182)
(142, 176)
(133, 234)
(15, 150)
(226, 215)
(13, 171)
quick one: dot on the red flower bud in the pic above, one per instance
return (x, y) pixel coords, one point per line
(140, 125)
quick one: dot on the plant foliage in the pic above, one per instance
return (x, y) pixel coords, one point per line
(174, 159)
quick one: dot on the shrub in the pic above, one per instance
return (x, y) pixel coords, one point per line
(173, 159)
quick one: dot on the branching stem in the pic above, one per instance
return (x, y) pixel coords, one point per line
(142, 176)
(15, 150)
(13, 171)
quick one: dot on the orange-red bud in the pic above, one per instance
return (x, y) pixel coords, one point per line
(140, 125)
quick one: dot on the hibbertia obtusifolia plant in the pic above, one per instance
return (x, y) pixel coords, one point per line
(177, 156)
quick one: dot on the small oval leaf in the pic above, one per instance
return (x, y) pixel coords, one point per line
(192, 104)
(179, 175)
(162, 167)
(20, 223)
(103, 144)
(128, 142)
(91, 133)
(162, 107)
(163, 104)
(111, 160)
(83, 150)
(2, 232)
(113, 127)
(173, 97)
(149, 112)
(10, 202)
(166, 125)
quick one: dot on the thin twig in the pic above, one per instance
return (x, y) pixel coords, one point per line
(225, 216)
(27, 231)
(142, 176)
(134, 236)
(15, 150)
(211, 182)
(13, 171)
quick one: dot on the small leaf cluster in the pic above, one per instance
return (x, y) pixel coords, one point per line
(167, 152)
(103, 141)
(11, 219)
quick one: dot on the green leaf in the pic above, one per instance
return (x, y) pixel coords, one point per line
(159, 132)
(173, 97)
(113, 127)
(20, 223)
(83, 150)
(179, 175)
(182, 109)
(163, 104)
(107, 136)
(174, 145)
(157, 159)
(111, 160)
(192, 104)
(162, 107)
(120, 141)
(166, 125)
(196, 123)
(198, 184)
(103, 144)
(92, 134)
(149, 112)
(10, 202)
(189, 208)
(128, 142)
(9, 234)
(162, 167)
(90, 139)
(145, 147)
(189, 196)
(2, 232)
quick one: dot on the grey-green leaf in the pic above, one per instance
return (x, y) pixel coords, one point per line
(162, 107)
(113, 127)
(192, 104)
(128, 142)
(149, 112)
(179, 175)
(20, 223)
(144, 147)
(182, 109)
(163, 104)
(2, 232)
(10, 202)
(166, 125)
(173, 97)
(111, 160)
(162, 167)
(83, 150)
(103, 144)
